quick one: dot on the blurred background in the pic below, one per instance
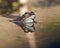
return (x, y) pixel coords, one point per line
(8, 6)
(47, 34)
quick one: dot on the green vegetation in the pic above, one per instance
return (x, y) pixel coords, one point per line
(8, 7)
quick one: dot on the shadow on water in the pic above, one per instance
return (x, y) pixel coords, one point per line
(49, 37)
(54, 45)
